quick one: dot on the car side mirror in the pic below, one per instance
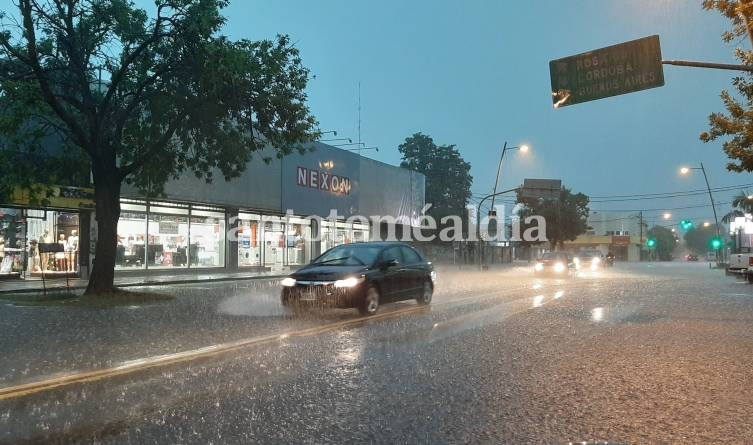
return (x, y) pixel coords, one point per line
(386, 264)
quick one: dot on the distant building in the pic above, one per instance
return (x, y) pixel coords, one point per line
(620, 233)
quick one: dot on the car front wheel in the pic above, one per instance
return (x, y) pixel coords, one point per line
(426, 293)
(370, 303)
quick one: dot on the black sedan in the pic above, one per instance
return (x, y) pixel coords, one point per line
(362, 275)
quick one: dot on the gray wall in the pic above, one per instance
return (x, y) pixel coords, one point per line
(258, 187)
(375, 188)
(313, 195)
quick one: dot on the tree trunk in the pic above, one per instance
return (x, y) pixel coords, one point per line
(107, 197)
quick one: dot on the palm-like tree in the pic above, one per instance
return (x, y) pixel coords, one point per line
(743, 201)
(729, 217)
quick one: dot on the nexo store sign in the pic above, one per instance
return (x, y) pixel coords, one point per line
(323, 181)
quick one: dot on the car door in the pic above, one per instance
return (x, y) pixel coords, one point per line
(392, 282)
(414, 272)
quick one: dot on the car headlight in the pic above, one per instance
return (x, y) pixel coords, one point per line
(559, 267)
(538, 267)
(288, 282)
(433, 276)
(596, 260)
(349, 282)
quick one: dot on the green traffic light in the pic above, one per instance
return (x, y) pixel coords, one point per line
(716, 243)
(651, 242)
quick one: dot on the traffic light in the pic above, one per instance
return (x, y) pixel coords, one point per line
(686, 225)
(651, 243)
(716, 243)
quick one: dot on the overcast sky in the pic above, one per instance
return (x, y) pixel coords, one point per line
(476, 74)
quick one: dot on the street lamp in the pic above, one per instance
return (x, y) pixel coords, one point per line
(685, 171)
(523, 149)
(667, 215)
(706, 224)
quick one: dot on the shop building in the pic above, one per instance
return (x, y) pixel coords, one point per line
(274, 216)
(623, 234)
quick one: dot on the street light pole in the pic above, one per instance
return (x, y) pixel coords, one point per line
(478, 220)
(711, 197)
(522, 148)
(685, 170)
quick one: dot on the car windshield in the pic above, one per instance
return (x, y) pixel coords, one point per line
(349, 255)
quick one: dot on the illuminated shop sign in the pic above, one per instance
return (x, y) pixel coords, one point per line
(323, 181)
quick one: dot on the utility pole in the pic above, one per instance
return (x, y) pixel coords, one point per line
(640, 246)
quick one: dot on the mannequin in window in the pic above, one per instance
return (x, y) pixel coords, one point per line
(71, 249)
(34, 255)
(60, 258)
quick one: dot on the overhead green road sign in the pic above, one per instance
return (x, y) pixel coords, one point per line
(611, 71)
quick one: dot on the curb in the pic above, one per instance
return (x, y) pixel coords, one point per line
(143, 284)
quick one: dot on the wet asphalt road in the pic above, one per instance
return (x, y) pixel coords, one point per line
(643, 353)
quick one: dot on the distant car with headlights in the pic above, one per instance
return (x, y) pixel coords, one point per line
(555, 263)
(362, 275)
(589, 260)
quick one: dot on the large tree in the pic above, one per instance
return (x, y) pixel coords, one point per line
(566, 217)
(698, 240)
(140, 99)
(666, 242)
(735, 126)
(448, 178)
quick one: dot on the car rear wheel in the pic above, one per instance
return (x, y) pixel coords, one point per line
(750, 277)
(426, 293)
(370, 303)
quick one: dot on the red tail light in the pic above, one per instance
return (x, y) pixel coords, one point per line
(750, 261)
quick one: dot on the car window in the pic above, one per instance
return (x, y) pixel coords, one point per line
(349, 255)
(410, 255)
(392, 253)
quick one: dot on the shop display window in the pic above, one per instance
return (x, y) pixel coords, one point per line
(249, 240)
(131, 249)
(167, 240)
(297, 247)
(274, 241)
(207, 239)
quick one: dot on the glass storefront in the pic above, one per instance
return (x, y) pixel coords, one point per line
(342, 233)
(249, 240)
(131, 249)
(169, 235)
(297, 250)
(38, 242)
(207, 235)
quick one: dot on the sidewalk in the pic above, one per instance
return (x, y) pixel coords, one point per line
(36, 285)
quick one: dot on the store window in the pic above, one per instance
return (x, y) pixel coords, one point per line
(53, 243)
(249, 240)
(207, 236)
(131, 249)
(274, 241)
(167, 241)
(342, 233)
(12, 243)
(297, 250)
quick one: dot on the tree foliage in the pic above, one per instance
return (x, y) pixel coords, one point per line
(448, 178)
(735, 126)
(665, 242)
(140, 99)
(698, 240)
(566, 217)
